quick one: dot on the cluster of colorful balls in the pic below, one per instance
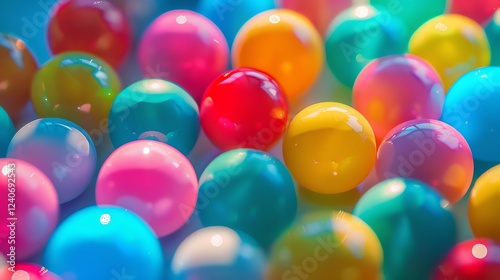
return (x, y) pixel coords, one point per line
(222, 157)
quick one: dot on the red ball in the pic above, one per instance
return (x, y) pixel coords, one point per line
(244, 108)
(480, 11)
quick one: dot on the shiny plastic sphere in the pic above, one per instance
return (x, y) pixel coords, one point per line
(60, 149)
(31, 209)
(244, 108)
(155, 109)
(186, 48)
(27, 271)
(329, 148)
(103, 243)
(359, 35)
(395, 89)
(77, 87)
(7, 131)
(218, 253)
(247, 190)
(283, 44)
(327, 245)
(430, 151)
(17, 69)
(453, 45)
(479, 11)
(414, 224)
(492, 30)
(152, 179)
(96, 27)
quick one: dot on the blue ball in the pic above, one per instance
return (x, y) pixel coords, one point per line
(7, 132)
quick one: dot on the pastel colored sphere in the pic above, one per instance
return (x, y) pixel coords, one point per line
(395, 89)
(247, 190)
(430, 151)
(8, 130)
(17, 70)
(218, 253)
(327, 245)
(186, 48)
(244, 108)
(152, 179)
(103, 243)
(492, 30)
(283, 44)
(93, 85)
(329, 148)
(31, 209)
(27, 271)
(414, 224)
(155, 109)
(60, 149)
(453, 45)
(480, 11)
(359, 35)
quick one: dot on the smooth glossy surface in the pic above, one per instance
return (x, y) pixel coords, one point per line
(7, 131)
(103, 243)
(478, 11)
(492, 30)
(244, 108)
(283, 44)
(28, 271)
(158, 110)
(186, 48)
(329, 148)
(218, 253)
(395, 89)
(152, 179)
(247, 190)
(430, 151)
(60, 149)
(453, 45)
(414, 223)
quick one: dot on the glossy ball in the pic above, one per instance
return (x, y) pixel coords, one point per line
(60, 149)
(453, 45)
(31, 209)
(186, 48)
(430, 151)
(155, 109)
(244, 108)
(492, 30)
(283, 44)
(152, 179)
(27, 271)
(414, 223)
(247, 190)
(479, 11)
(103, 243)
(7, 131)
(329, 148)
(395, 89)
(218, 253)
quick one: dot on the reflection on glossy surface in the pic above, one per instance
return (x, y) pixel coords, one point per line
(82, 246)
(218, 253)
(329, 148)
(492, 30)
(479, 11)
(32, 198)
(430, 151)
(414, 224)
(28, 271)
(244, 108)
(7, 131)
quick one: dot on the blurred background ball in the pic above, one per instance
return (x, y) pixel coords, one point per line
(7, 131)
(492, 30)
(480, 11)
(28, 271)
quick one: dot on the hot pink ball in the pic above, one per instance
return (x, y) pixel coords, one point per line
(30, 209)
(186, 48)
(152, 179)
(28, 271)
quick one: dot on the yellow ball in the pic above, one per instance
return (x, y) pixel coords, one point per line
(329, 148)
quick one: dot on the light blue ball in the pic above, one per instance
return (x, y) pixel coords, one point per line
(7, 131)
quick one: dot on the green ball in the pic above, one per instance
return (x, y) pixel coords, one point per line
(493, 33)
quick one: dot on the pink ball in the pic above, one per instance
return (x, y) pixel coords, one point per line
(28, 271)
(152, 179)
(186, 48)
(30, 209)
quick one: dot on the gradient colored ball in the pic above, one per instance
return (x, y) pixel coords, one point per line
(104, 243)
(478, 11)
(186, 48)
(283, 44)
(329, 148)
(244, 108)
(492, 30)
(27, 271)
(7, 131)
(395, 89)
(430, 151)
(155, 109)
(218, 253)
(60, 149)
(414, 224)
(247, 190)
(453, 45)
(31, 209)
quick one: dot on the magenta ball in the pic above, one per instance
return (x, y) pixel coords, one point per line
(152, 179)
(186, 48)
